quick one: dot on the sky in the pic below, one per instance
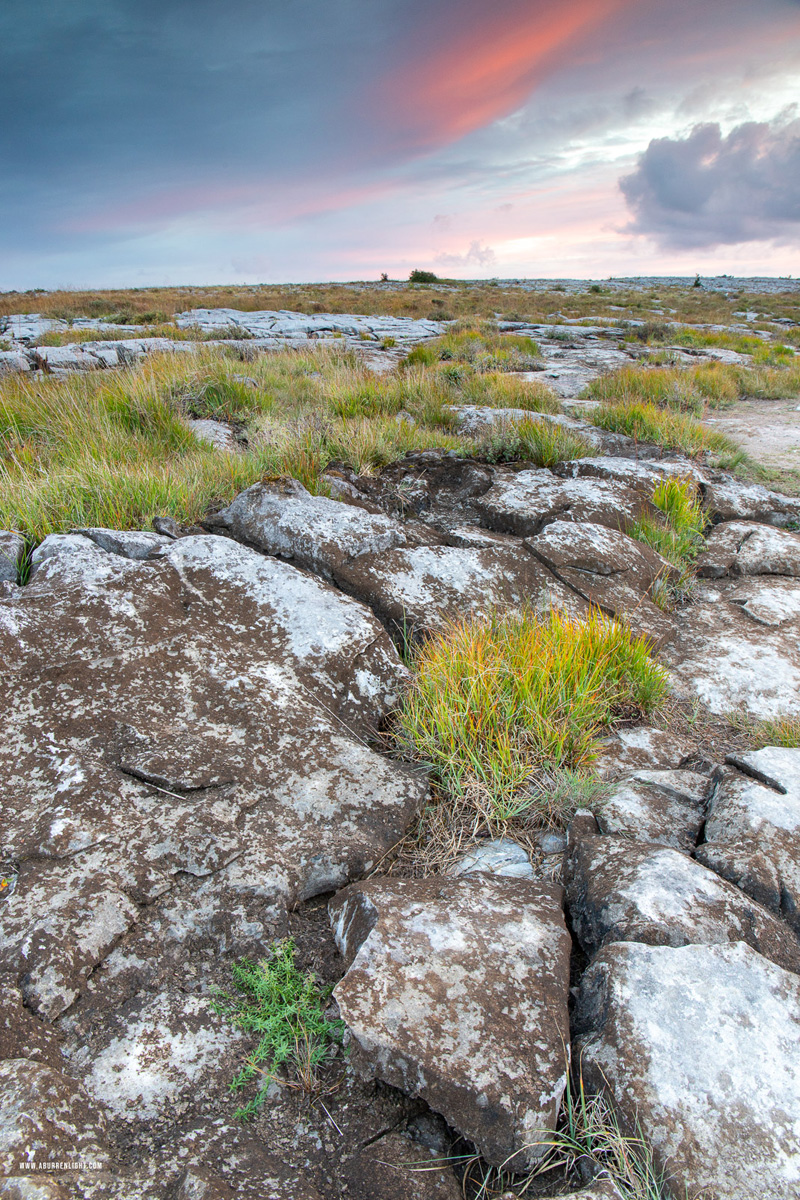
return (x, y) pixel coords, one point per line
(148, 142)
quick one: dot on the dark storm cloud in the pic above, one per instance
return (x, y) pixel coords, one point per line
(710, 190)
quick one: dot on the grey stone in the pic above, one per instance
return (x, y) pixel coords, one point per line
(621, 891)
(701, 1046)
(664, 807)
(315, 532)
(456, 991)
(752, 834)
(498, 856)
(46, 1117)
(524, 502)
(137, 544)
(738, 646)
(731, 501)
(12, 548)
(423, 588)
(745, 548)
(201, 716)
(640, 748)
(214, 433)
(609, 569)
(632, 473)
(158, 1053)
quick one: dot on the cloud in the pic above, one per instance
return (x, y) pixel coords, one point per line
(477, 255)
(707, 189)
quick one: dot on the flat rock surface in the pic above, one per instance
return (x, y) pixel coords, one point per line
(752, 835)
(422, 588)
(456, 991)
(730, 500)
(206, 715)
(314, 532)
(738, 646)
(664, 807)
(622, 891)
(711, 1070)
(640, 748)
(46, 1117)
(525, 502)
(746, 548)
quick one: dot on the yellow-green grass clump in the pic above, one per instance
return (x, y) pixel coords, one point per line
(665, 427)
(483, 346)
(531, 441)
(496, 703)
(677, 534)
(115, 449)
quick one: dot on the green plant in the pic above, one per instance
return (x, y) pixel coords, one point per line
(479, 344)
(677, 535)
(768, 731)
(672, 430)
(287, 1009)
(418, 276)
(540, 442)
(495, 703)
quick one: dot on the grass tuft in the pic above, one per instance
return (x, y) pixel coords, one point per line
(540, 442)
(665, 427)
(677, 536)
(495, 704)
(287, 1009)
(769, 731)
(481, 345)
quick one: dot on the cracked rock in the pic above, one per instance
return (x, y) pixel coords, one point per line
(46, 1117)
(752, 834)
(523, 503)
(744, 548)
(621, 891)
(664, 807)
(314, 532)
(701, 1046)
(456, 992)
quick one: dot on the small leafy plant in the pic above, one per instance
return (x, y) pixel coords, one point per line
(286, 1007)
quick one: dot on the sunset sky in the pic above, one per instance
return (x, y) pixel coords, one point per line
(167, 141)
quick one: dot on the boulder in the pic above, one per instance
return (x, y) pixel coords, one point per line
(752, 834)
(664, 807)
(200, 717)
(728, 500)
(12, 548)
(314, 532)
(744, 548)
(737, 646)
(607, 568)
(214, 433)
(524, 502)
(622, 891)
(46, 1117)
(701, 1046)
(631, 472)
(422, 589)
(456, 991)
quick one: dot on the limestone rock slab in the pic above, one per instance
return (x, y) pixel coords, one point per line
(314, 532)
(621, 891)
(729, 500)
(701, 1044)
(640, 747)
(46, 1117)
(752, 834)
(738, 646)
(523, 503)
(745, 548)
(456, 991)
(664, 807)
(202, 714)
(422, 588)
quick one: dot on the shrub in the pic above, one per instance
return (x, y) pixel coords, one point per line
(418, 276)
(287, 1009)
(494, 702)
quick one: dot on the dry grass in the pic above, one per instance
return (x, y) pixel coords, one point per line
(481, 346)
(771, 731)
(448, 298)
(665, 427)
(531, 441)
